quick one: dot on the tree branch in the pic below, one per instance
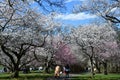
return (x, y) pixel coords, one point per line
(27, 62)
(7, 53)
(8, 20)
(112, 19)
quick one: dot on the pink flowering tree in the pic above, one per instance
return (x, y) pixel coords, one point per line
(64, 54)
(107, 54)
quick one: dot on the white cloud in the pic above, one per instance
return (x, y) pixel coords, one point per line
(114, 9)
(67, 1)
(79, 16)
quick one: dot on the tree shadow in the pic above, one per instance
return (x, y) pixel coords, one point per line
(63, 78)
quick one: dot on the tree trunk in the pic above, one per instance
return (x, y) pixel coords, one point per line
(105, 68)
(16, 72)
(99, 70)
(117, 70)
(47, 67)
(47, 70)
(98, 67)
(92, 68)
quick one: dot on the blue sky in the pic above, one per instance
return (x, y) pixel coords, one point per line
(68, 17)
(75, 19)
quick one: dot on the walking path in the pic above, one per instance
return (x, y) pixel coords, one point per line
(63, 78)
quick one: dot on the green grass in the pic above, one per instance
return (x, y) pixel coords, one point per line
(30, 76)
(97, 77)
(43, 76)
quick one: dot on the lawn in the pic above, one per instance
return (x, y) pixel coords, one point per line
(43, 76)
(98, 77)
(30, 76)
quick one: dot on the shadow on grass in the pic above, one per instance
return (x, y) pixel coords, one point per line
(30, 76)
(90, 78)
(42, 76)
(70, 78)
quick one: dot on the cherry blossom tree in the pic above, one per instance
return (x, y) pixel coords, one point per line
(48, 49)
(89, 37)
(106, 52)
(46, 5)
(21, 30)
(107, 9)
(64, 54)
(57, 52)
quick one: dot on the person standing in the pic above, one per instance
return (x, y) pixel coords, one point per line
(57, 71)
(67, 70)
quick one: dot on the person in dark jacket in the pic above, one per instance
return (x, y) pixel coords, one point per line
(67, 70)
